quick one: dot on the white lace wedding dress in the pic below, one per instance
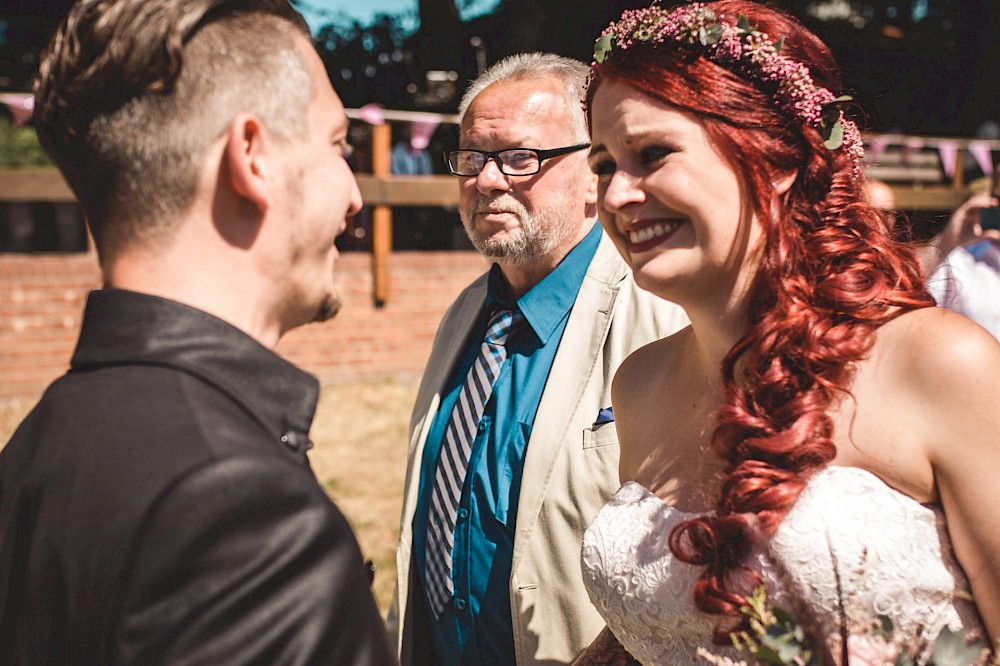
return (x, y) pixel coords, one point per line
(892, 554)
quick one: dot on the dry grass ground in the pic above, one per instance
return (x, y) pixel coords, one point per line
(359, 457)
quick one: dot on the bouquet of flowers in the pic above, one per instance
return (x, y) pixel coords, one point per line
(777, 637)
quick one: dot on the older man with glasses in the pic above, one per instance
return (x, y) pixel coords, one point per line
(512, 443)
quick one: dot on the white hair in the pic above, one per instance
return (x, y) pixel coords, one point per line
(522, 66)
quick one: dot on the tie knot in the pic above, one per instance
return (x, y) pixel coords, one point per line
(501, 324)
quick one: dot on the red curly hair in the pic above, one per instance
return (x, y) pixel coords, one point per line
(829, 277)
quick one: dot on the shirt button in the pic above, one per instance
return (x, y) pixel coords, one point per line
(463, 514)
(460, 604)
(295, 441)
(482, 426)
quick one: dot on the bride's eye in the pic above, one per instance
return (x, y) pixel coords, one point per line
(653, 154)
(603, 167)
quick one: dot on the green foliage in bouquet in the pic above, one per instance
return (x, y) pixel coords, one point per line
(777, 638)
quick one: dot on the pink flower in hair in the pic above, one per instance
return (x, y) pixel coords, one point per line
(745, 50)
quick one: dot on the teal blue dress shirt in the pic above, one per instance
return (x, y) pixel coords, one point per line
(475, 627)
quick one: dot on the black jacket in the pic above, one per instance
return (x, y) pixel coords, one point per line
(157, 506)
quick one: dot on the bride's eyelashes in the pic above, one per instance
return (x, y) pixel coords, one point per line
(649, 157)
(602, 167)
(653, 155)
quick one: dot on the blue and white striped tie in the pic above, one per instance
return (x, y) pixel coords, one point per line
(454, 459)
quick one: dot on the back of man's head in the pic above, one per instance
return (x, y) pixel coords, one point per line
(521, 66)
(131, 94)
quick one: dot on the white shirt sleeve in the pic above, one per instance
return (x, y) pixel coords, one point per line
(968, 282)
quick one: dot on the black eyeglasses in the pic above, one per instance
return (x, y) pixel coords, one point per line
(512, 161)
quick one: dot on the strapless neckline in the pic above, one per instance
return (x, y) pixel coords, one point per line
(819, 477)
(848, 530)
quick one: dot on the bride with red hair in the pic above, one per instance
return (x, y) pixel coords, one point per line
(820, 430)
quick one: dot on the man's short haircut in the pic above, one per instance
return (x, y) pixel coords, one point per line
(522, 66)
(130, 94)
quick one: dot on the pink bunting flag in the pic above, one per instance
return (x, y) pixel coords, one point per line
(21, 106)
(949, 152)
(371, 114)
(421, 132)
(876, 148)
(984, 158)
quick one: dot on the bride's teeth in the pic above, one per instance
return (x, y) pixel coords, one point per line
(650, 232)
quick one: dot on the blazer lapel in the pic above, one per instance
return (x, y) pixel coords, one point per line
(572, 369)
(448, 347)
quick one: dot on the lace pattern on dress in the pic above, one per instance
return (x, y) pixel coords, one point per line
(892, 554)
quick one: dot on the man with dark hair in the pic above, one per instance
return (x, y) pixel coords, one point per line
(157, 505)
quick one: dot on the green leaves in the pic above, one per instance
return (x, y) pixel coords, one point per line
(883, 627)
(950, 649)
(784, 642)
(833, 135)
(710, 34)
(602, 49)
(775, 637)
(830, 127)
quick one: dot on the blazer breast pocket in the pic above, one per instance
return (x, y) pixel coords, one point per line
(597, 437)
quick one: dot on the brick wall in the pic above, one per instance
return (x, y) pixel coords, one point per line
(42, 297)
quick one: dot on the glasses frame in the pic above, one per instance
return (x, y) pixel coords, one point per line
(540, 154)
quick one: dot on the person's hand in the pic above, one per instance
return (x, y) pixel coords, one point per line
(964, 225)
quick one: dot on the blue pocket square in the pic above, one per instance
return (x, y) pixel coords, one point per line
(604, 416)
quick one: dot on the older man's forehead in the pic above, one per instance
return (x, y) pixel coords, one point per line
(519, 111)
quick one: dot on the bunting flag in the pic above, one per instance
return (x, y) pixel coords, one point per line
(949, 152)
(21, 106)
(984, 158)
(372, 114)
(876, 148)
(421, 132)
(911, 144)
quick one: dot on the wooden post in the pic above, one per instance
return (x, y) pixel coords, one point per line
(381, 215)
(958, 182)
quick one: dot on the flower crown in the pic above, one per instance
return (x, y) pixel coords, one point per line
(744, 50)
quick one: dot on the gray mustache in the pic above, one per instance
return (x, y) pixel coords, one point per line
(498, 206)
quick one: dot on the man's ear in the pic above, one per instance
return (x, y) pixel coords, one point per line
(248, 157)
(782, 182)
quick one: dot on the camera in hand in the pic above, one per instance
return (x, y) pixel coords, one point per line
(989, 218)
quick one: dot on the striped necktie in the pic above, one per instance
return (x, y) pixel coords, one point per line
(454, 459)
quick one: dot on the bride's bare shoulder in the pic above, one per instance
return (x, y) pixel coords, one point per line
(932, 346)
(650, 359)
(935, 371)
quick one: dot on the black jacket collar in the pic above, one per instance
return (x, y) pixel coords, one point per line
(128, 328)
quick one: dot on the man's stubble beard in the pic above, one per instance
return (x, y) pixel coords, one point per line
(330, 302)
(537, 234)
(328, 308)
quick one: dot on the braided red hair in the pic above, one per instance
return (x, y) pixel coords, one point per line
(829, 277)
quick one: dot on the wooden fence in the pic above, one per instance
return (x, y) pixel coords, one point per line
(910, 172)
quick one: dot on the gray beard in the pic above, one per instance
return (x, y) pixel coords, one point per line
(537, 236)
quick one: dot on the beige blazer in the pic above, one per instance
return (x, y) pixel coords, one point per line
(570, 467)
